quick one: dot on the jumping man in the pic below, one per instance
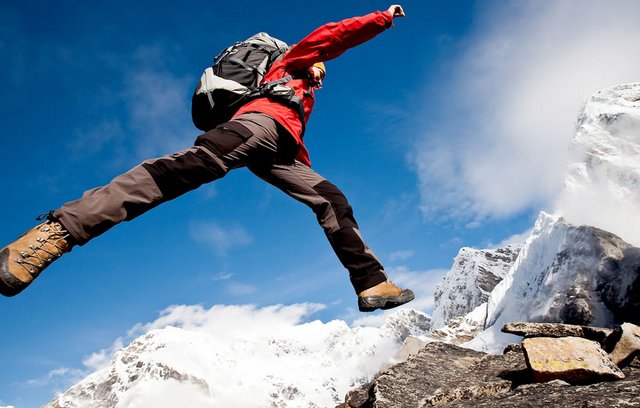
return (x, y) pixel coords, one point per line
(265, 136)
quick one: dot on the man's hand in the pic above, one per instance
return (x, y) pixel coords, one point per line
(396, 11)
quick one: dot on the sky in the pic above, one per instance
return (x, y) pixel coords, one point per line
(451, 129)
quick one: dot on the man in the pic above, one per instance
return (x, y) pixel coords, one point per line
(265, 135)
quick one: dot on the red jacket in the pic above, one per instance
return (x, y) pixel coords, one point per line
(325, 43)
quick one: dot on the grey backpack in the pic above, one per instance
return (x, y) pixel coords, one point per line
(235, 78)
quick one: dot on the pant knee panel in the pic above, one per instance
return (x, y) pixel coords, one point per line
(339, 204)
(224, 139)
(185, 171)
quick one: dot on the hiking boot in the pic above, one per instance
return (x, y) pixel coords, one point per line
(23, 260)
(384, 296)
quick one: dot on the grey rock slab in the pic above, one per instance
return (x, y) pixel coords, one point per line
(530, 329)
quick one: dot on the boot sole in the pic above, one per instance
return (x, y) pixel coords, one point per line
(9, 284)
(371, 303)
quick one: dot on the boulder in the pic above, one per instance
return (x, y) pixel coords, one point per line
(571, 359)
(628, 346)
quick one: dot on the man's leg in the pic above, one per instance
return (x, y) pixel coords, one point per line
(156, 181)
(335, 216)
(131, 194)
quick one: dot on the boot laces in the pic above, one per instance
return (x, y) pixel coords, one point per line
(39, 254)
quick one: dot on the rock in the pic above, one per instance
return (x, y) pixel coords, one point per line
(513, 348)
(527, 329)
(439, 374)
(571, 359)
(358, 397)
(628, 347)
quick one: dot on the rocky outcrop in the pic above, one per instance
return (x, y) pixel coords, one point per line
(439, 374)
(445, 375)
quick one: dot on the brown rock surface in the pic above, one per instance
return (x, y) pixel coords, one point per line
(571, 359)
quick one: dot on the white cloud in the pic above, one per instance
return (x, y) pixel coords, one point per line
(228, 320)
(100, 359)
(59, 377)
(156, 119)
(222, 276)
(220, 238)
(158, 103)
(401, 255)
(516, 239)
(513, 100)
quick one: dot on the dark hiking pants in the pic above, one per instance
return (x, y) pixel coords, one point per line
(253, 140)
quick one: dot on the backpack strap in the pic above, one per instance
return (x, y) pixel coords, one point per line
(293, 101)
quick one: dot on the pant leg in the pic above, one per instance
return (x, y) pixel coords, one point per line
(334, 215)
(156, 181)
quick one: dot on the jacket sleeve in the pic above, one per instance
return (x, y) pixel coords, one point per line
(333, 39)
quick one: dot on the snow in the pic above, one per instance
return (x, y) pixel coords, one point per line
(605, 171)
(242, 356)
(470, 280)
(604, 174)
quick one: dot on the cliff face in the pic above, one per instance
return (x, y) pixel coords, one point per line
(470, 281)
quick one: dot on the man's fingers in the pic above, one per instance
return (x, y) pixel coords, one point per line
(396, 10)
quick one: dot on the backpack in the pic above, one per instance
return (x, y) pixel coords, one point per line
(235, 78)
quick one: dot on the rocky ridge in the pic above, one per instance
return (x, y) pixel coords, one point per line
(536, 372)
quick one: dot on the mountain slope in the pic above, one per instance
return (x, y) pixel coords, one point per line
(278, 362)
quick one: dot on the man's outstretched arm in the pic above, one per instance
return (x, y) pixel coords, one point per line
(333, 39)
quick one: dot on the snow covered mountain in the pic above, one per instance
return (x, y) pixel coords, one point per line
(239, 356)
(564, 272)
(470, 280)
(605, 170)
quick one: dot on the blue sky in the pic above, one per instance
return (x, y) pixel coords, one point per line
(449, 130)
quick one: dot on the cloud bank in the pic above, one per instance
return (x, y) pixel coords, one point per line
(512, 99)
